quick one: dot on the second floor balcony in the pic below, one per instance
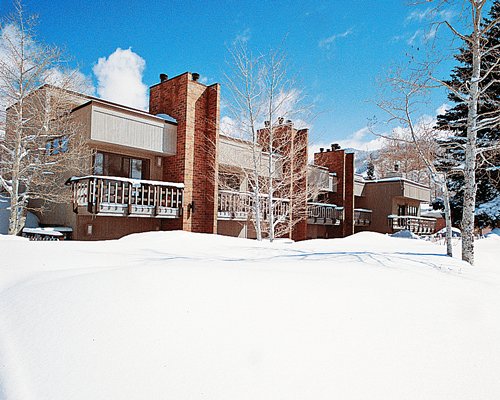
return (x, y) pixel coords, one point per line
(124, 197)
(417, 225)
(324, 214)
(362, 217)
(240, 206)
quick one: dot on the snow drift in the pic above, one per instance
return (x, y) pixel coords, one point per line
(191, 316)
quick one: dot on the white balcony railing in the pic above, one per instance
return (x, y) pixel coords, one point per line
(324, 214)
(239, 206)
(115, 196)
(418, 225)
(362, 217)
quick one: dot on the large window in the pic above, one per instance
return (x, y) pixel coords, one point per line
(228, 181)
(407, 210)
(109, 164)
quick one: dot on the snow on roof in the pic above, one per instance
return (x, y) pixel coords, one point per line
(166, 117)
(42, 231)
(395, 179)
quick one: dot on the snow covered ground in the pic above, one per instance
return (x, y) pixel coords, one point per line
(174, 315)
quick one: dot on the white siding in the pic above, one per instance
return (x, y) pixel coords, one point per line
(319, 179)
(121, 128)
(169, 139)
(239, 154)
(416, 192)
(358, 187)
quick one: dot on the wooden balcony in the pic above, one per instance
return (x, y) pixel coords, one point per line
(324, 214)
(239, 206)
(123, 197)
(417, 225)
(362, 217)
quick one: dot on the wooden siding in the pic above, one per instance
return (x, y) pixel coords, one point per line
(238, 153)
(416, 192)
(358, 187)
(112, 126)
(319, 179)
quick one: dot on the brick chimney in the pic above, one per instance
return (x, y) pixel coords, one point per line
(196, 109)
(342, 164)
(292, 143)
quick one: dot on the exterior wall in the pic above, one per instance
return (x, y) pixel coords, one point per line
(238, 153)
(299, 186)
(343, 164)
(416, 191)
(349, 195)
(62, 214)
(383, 198)
(196, 109)
(232, 228)
(292, 144)
(105, 228)
(139, 132)
(156, 162)
(318, 180)
(378, 197)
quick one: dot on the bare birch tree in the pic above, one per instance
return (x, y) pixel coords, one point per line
(245, 106)
(263, 100)
(406, 96)
(41, 140)
(472, 92)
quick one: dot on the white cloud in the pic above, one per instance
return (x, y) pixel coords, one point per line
(431, 14)
(362, 139)
(71, 79)
(243, 37)
(423, 35)
(327, 42)
(428, 19)
(119, 78)
(421, 15)
(442, 109)
(227, 126)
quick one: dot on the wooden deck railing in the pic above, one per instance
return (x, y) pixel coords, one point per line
(362, 217)
(115, 196)
(239, 206)
(418, 225)
(324, 214)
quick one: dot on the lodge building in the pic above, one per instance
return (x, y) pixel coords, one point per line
(167, 169)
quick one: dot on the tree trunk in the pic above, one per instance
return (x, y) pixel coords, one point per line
(471, 150)
(447, 217)
(271, 190)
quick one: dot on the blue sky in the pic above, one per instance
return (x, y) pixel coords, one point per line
(338, 49)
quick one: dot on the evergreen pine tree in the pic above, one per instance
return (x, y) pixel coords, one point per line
(454, 120)
(370, 169)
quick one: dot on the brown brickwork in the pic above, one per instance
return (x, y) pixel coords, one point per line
(349, 194)
(292, 143)
(343, 165)
(196, 109)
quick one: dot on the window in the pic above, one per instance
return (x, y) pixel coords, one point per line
(99, 164)
(413, 211)
(135, 168)
(229, 181)
(109, 164)
(57, 146)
